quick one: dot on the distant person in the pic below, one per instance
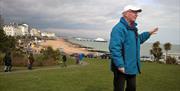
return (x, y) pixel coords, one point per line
(7, 62)
(125, 49)
(64, 58)
(77, 58)
(30, 61)
(81, 56)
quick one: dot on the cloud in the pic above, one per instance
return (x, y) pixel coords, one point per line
(85, 12)
(93, 17)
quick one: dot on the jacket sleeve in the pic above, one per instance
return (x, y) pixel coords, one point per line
(144, 36)
(116, 46)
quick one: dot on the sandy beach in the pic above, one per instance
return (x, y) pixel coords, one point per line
(67, 47)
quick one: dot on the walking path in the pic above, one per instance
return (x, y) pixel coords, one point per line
(18, 70)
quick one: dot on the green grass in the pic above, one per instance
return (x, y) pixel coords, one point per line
(96, 76)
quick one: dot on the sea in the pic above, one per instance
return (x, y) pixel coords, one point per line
(103, 46)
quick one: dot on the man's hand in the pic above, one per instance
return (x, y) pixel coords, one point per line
(153, 31)
(121, 70)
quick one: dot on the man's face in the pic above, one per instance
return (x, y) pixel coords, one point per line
(132, 15)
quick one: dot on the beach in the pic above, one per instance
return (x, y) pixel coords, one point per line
(75, 46)
(65, 46)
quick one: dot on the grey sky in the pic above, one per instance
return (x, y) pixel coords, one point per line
(94, 18)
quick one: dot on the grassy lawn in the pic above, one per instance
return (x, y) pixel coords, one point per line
(95, 76)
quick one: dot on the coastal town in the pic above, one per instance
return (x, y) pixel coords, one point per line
(42, 40)
(89, 45)
(32, 40)
(39, 40)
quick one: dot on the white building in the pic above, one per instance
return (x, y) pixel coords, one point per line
(16, 30)
(24, 29)
(9, 30)
(100, 40)
(35, 32)
(48, 34)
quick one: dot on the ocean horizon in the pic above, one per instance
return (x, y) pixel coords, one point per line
(103, 46)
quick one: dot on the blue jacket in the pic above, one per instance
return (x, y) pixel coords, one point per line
(124, 47)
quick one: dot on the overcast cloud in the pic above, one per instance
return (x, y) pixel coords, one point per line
(94, 18)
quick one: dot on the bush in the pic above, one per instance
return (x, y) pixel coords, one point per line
(19, 58)
(42, 60)
(50, 53)
(39, 59)
(171, 60)
(1, 58)
(47, 57)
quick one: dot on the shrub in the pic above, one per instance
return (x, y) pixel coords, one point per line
(171, 60)
(1, 58)
(39, 59)
(19, 59)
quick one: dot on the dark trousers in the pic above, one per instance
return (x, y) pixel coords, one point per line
(7, 68)
(120, 79)
(29, 66)
(64, 64)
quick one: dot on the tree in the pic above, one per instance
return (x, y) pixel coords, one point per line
(156, 51)
(167, 47)
(3, 39)
(7, 43)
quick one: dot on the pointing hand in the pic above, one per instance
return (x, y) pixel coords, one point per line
(153, 31)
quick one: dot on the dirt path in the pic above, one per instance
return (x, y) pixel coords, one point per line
(24, 69)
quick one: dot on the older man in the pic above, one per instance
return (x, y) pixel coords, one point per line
(125, 49)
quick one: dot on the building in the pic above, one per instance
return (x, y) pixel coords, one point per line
(24, 29)
(100, 40)
(10, 30)
(16, 30)
(48, 34)
(35, 32)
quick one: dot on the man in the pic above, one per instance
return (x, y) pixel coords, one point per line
(64, 60)
(30, 61)
(125, 49)
(81, 56)
(7, 62)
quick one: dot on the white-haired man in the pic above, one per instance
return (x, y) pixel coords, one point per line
(125, 49)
